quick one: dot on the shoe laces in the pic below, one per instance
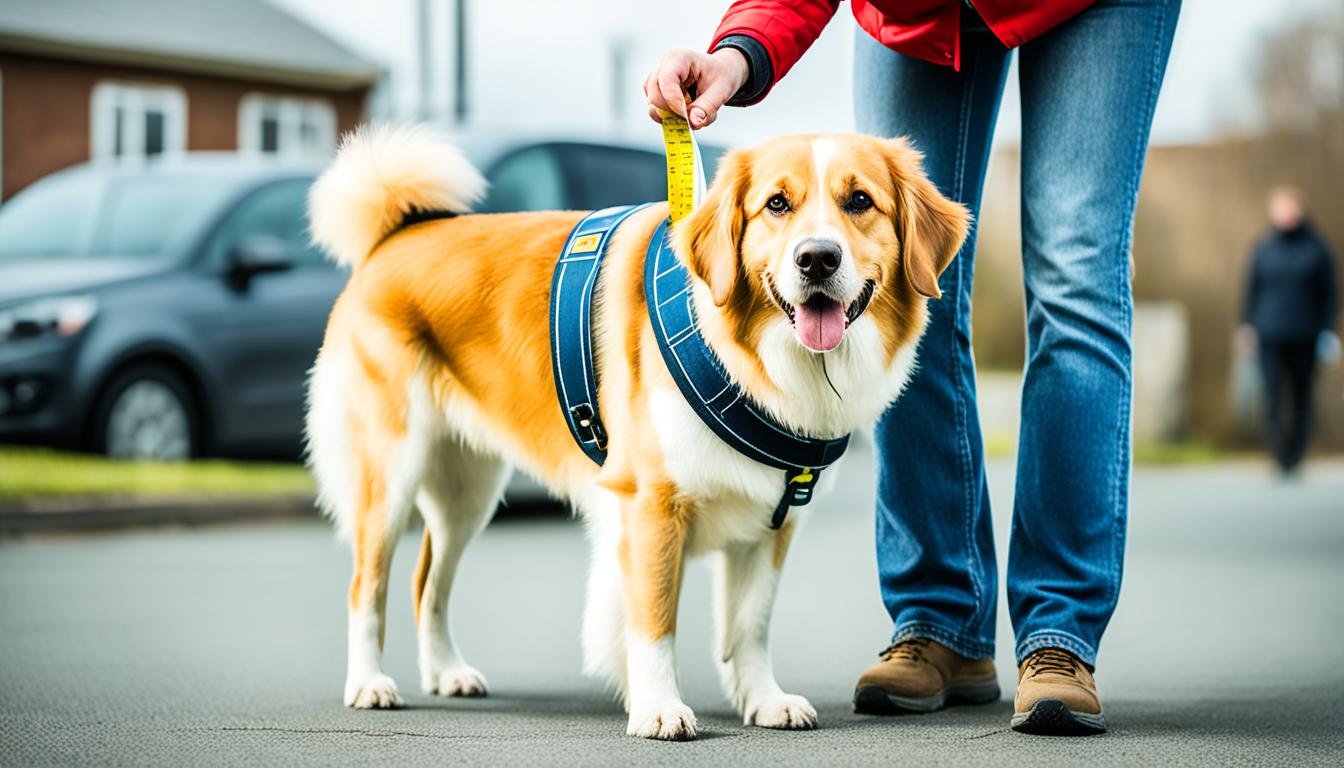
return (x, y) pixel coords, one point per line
(1052, 660)
(909, 649)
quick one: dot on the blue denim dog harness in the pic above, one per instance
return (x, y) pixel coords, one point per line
(571, 325)
(716, 399)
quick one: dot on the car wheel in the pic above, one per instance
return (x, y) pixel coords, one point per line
(146, 413)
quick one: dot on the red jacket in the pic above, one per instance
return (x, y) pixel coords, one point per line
(924, 29)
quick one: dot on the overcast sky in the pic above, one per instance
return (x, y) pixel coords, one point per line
(547, 65)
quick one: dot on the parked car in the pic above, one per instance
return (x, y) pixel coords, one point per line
(173, 309)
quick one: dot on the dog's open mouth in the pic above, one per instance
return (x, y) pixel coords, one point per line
(820, 322)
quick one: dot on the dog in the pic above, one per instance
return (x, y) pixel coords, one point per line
(812, 261)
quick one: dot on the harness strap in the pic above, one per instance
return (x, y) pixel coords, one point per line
(572, 286)
(716, 399)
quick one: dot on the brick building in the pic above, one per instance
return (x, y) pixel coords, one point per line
(123, 80)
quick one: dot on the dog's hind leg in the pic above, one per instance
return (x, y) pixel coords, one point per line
(745, 583)
(384, 493)
(457, 498)
(386, 452)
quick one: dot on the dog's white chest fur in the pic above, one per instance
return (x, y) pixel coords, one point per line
(735, 496)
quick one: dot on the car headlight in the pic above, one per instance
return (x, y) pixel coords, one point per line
(60, 316)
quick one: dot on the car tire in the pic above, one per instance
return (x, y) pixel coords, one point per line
(146, 413)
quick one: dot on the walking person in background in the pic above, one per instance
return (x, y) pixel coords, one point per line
(934, 70)
(1289, 317)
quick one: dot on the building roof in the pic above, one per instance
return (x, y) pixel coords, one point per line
(244, 39)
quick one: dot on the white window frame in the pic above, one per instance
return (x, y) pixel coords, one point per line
(135, 99)
(290, 114)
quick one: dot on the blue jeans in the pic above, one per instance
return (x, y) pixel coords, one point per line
(1088, 88)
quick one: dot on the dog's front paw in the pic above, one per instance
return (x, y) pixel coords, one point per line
(373, 692)
(461, 680)
(785, 711)
(669, 722)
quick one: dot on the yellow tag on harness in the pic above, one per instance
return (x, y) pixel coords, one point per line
(685, 174)
(585, 244)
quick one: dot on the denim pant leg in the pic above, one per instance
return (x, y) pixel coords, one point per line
(935, 547)
(1088, 92)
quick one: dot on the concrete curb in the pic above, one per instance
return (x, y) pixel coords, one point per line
(96, 513)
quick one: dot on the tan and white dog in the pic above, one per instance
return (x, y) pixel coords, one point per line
(435, 377)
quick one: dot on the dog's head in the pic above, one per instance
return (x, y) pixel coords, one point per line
(823, 232)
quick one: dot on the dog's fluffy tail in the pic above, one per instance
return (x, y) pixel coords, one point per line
(379, 175)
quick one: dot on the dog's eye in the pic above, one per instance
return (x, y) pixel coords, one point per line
(858, 202)
(778, 204)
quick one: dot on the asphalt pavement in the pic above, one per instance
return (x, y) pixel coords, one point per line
(225, 645)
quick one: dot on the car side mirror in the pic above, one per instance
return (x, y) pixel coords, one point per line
(256, 255)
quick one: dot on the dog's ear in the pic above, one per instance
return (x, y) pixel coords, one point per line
(930, 226)
(710, 238)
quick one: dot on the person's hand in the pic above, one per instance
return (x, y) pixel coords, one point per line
(714, 77)
(1247, 338)
(1328, 348)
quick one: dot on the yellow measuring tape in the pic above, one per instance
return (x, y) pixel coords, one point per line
(685, 174)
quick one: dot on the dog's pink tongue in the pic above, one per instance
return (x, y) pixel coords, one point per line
(820, 324)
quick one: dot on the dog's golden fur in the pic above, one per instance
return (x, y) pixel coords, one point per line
(436, 371)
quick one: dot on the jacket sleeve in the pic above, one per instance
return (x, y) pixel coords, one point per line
(1329, 289)
(784, 31)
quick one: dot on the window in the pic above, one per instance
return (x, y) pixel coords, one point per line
(710, 155)
(527, 180)
(605, 176)
(286, 125)
(154, 215)
(276, 212)
(134, 122)
(52, 218)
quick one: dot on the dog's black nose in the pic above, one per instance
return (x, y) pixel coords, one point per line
(817, 259)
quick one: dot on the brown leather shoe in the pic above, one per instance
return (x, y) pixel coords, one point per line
(1056, 696)
(921, 675)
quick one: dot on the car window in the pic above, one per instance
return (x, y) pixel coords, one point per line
(277, 211)
(52, 218)
(529, 179)
(604, 176)
(710, 155)
(152, 215)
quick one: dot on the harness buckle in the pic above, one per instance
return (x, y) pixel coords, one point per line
(797, 492)
(800, 487)
(589, 425)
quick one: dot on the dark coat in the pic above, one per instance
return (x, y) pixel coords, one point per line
(1290, 291)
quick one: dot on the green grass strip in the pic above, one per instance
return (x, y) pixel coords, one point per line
(31, 472)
